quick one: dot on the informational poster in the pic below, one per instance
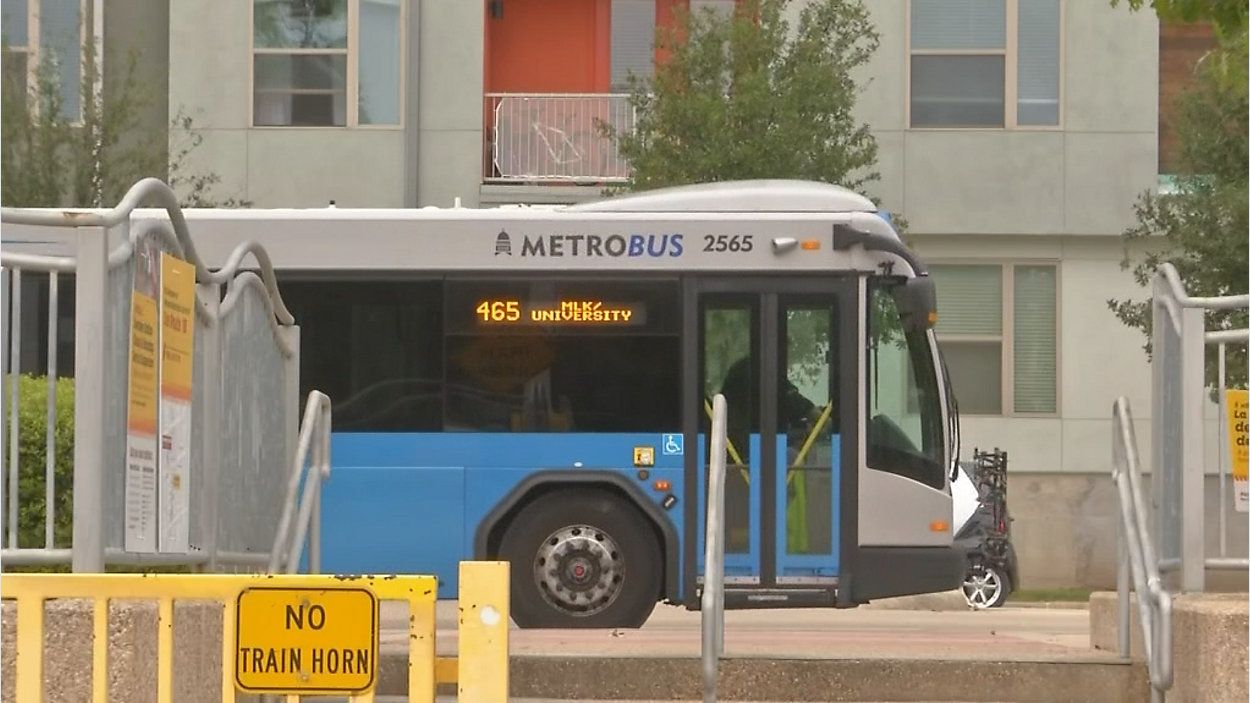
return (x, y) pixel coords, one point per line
(177, 353)
(1238, 406)
(141, 413)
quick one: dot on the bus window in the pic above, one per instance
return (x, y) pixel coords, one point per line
(375, 347)
(729, 362)
(904, 412)
(807, 415)
(558, 355)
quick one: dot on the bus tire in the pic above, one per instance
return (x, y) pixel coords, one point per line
(582, 558)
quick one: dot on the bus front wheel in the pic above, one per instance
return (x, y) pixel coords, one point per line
(582, 559)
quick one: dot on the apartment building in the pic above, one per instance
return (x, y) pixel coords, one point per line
(1014, 136)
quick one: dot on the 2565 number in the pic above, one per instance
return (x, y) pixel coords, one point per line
(724, 242)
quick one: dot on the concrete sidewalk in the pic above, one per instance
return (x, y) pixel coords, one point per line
(862, 654)
(1024, 634)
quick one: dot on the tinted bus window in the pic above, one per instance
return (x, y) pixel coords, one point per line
(562, 356)
(374, 347)
(905, 416)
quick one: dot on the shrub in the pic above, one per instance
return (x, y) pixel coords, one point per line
(32, 457)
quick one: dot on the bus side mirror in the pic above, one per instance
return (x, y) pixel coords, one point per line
(919, 303)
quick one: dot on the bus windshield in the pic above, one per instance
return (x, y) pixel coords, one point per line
(905, 423)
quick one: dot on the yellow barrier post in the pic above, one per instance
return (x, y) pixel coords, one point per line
(29, 649)
(484, 624)
(422, 685)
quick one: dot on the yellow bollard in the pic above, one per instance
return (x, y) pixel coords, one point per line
(484, 624)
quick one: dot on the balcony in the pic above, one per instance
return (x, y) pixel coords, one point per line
(551, 139)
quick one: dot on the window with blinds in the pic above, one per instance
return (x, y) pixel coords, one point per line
(303, 53)
(967, 57)
(1037, 63)
(997, 327)
(633, 41)
(1033, 341)
(970, 331)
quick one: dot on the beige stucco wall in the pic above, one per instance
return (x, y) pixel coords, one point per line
(210, 65)
(1079, 178)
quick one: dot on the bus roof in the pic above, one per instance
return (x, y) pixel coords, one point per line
(764, 225)
(754, 196)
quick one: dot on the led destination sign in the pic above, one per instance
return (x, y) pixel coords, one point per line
(582, 311)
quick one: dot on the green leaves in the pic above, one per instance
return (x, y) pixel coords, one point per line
(1202, 227)
(47, 160)
(748, 96)
(1229, 16)
(32, 457)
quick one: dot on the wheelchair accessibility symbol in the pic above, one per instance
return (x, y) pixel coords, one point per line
(672, 444)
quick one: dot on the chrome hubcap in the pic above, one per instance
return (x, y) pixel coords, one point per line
(579, 569)
(981, 588)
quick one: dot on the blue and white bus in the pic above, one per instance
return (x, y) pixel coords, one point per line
(534, 385)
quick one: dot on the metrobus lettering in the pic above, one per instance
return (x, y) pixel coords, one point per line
(593, 245)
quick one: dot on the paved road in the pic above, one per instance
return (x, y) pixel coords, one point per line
(1019, 633)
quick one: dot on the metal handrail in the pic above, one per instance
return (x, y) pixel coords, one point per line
(1137, 554)
(91, 264)
(314, 440)
(1219, 302)
(712, 607)
(149, 190)
(234, 291)
(1177, 299)
(146, 190)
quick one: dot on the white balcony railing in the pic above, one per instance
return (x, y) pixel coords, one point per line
(554, 137)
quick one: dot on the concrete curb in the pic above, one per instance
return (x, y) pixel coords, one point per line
(645, 678)
(954, 600)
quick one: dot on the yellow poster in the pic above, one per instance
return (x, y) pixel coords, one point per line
(141, 417)
(1238, 405)
(177, 326)
(177, 285)
(142, 410)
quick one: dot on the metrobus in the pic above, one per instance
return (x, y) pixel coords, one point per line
(534, 385)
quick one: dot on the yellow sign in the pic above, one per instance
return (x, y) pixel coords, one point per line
(644, 456)
(306, 640)
(1238, 405)
(177, 326)
(141, 417)
(177, 284)
(1238, 444)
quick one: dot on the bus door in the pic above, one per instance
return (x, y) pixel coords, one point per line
(779, 352)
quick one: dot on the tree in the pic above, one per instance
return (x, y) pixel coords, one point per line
(741, 96)
(50, 160)
(1228, 16)
(1201, 227)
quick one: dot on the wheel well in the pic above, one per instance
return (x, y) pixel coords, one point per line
(494, 536)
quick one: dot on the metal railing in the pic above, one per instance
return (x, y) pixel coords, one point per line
(479, 669)
(1137, 555)
(1221, 339)
(311, 469)
(1179, 396)
(555, 137)
(245, 379)
(712, 606)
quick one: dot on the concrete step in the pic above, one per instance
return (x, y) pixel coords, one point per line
(1092, 679)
